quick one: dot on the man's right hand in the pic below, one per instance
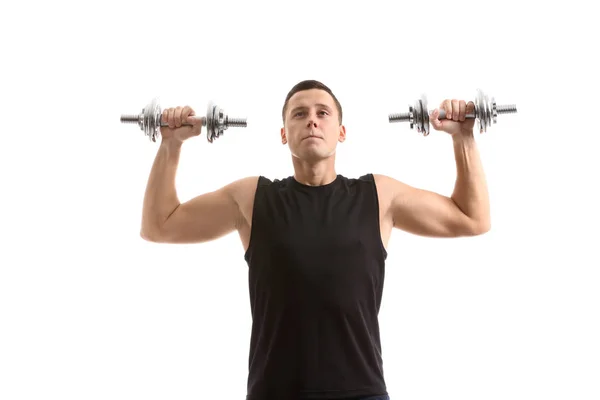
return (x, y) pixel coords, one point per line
(176, 118)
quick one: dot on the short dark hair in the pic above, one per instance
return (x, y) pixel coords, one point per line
(307, 85)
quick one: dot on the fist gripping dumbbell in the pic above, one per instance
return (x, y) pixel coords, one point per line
(216, 121)
(486, 113)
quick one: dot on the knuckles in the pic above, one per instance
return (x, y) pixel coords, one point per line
(175, 117)
(456, 109)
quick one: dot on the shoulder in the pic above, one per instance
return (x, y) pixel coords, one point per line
(390, 189)
(243, 189)
(392, 185)
(243, 185)
(388, 185)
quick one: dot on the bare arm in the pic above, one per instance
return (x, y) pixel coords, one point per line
(426, 213)
(205, 217)
(467, 211)
(470, 191)
(209, 216)
(160, 199)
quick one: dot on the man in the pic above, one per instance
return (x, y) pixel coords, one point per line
(315, 243)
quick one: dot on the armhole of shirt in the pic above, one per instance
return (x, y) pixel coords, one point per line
(261, 181)
(371, 179)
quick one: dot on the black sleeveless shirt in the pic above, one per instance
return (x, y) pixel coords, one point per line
(316, 272)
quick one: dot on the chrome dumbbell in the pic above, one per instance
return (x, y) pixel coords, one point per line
(216, 121)
(486, 113)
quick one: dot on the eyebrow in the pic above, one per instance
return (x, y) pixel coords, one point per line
(303, 107)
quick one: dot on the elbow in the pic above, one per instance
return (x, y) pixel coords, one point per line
(147, 237)
(473, 227)
(150, 236)
(480, 228)
(151, 230)
(484, 229)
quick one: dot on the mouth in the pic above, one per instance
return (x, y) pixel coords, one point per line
(312, 137)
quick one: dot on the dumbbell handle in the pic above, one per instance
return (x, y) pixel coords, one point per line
(501, 109)
(136, 118)
(400, 117)
(230, 122)
(233, 122)
(443, 115)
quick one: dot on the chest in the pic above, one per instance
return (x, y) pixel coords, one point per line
(319, 219)
(322, 231)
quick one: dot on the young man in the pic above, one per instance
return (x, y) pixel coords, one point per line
(315, 243)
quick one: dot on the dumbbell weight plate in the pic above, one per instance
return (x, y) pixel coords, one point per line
(215, 122)
(151, 118)
(210, 121)
(483, 112)
(422, 116)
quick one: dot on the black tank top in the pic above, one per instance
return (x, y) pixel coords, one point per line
(316, 272)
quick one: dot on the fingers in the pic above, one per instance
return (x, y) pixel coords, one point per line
(186, 112)
(434, 119)
(447, 107)
(189, 118)
(462, 110)
(165, 116)
(176, 117)
(171, 118)
(455, 114)
(456, 110)
(470, 108)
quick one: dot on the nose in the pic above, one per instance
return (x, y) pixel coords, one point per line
(312, 122)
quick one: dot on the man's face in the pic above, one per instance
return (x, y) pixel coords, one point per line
(312, 127)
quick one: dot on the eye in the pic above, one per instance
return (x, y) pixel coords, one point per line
(325, 112)
(298, 113)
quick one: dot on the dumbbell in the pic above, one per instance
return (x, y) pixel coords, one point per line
(216, 121)
(486, 113)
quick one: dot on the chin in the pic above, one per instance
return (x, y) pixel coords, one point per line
(313, 156)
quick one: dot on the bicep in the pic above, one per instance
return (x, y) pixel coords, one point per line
(427, 213)
(204, 218)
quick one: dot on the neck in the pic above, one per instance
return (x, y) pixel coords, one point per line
(317, 173)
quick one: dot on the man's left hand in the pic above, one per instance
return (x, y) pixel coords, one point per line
(455, 122)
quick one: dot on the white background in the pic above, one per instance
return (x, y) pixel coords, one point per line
(88, 310)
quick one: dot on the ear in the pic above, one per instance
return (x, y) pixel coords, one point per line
(283, 136)
(342, 136)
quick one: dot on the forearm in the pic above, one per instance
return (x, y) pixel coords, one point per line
(160, 199)
(471, 192)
